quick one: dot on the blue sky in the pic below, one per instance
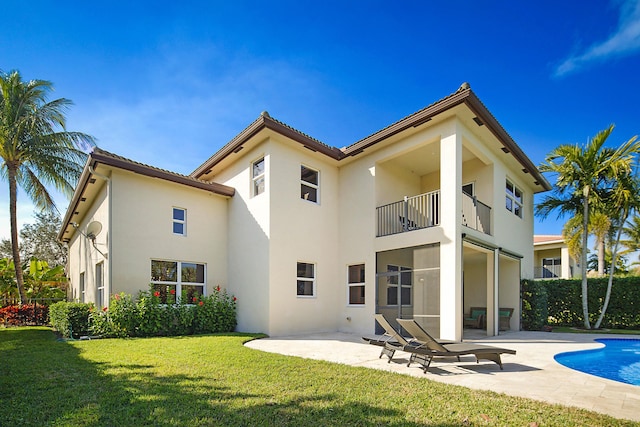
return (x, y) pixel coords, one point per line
(168, 83)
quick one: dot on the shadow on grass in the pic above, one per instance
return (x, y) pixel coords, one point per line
(48, 382)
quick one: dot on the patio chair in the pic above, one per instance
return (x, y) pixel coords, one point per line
(393, 341)
(420, 336)
(476, 317)
(505, 318)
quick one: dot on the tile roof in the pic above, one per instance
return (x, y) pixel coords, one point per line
(540, 238)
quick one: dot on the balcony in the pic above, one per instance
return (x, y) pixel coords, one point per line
(549, 272)
(423, 211)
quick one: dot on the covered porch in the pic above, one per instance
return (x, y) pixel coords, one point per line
(408, 285)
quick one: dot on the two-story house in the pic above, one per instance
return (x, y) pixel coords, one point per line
(552, 260)
(425, 218)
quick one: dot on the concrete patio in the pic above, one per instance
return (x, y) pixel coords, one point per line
(531, 373)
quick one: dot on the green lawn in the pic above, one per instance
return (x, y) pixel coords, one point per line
(595, 331)
(215, 380)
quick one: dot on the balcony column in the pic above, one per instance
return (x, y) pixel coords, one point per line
(565, 263)
(451, 314)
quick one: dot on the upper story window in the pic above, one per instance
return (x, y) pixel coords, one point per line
(306, 279)
(514, 199)
(356, 284)
(257, 177)
(180, 221)
(309, 184)
(177, 278)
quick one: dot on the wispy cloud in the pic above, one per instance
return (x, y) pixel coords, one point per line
(623, 42)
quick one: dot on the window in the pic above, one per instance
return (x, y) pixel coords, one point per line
(257, 177)
(177, 278)
(356, 284)
(180, 221)
(82, 291)
(402, 278)
(306, 279)
(100, 300)
(309, 184)
(469, 189)
(514, 199)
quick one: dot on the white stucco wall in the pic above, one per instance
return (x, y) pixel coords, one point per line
(249, 228)
(83, 256)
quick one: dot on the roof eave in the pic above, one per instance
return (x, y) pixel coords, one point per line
(261, 123)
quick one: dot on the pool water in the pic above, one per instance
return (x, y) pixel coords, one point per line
(618, 360)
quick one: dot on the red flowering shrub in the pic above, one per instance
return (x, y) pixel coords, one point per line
(27, 314)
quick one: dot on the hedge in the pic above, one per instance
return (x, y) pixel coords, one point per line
(70, 318)
(564, 302)
(25, 315)
(148, 316)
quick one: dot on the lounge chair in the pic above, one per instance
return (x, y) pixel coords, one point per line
(393, 341)
(437, 349)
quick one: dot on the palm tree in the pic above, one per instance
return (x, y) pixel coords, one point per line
(583, 175)
(599, 225)
(632, 231)
(625, 198)
(36, 149)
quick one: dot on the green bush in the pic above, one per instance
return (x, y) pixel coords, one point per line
(215, 313)
(534, 305)
(149, 316)
(565, 302)
(70, 318)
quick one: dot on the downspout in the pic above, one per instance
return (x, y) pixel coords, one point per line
(109, 231)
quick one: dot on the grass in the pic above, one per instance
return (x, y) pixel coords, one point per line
(575, 330)
(215, 380)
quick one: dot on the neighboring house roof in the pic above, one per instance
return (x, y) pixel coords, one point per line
(103, 157)
(547, 239)
(464, 95)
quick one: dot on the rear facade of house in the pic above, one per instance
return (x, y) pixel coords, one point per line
(423, 219)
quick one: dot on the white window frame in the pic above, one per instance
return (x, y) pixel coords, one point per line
(310, 185)
(175, 220)
(82, 285)
(307, 279)
(100, 294)
(512, 200)
(255, 178)
(471, 184)
(396, 280)
(179, 282)
(351, 284)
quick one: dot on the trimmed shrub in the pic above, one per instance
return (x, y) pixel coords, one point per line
(25, 315)
(215, 313)
(565, 302)
(70, 319)
(149, 316)
(534, 305)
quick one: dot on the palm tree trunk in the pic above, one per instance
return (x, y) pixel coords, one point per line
(585, 238)
(614, 254)
(13, 196)
(601, 257)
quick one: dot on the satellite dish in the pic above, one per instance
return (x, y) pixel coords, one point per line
(93, 229)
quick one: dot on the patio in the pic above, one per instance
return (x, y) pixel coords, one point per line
(531, 373)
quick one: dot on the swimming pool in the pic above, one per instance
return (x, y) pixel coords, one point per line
(618, 360)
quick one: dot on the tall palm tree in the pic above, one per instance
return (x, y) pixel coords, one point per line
(625, 198)
(36, 149)
(599, 226)
(584, 174)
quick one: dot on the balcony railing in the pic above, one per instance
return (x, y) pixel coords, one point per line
(547, 272)
(412, 213)
(422, 211)
(476, 214)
